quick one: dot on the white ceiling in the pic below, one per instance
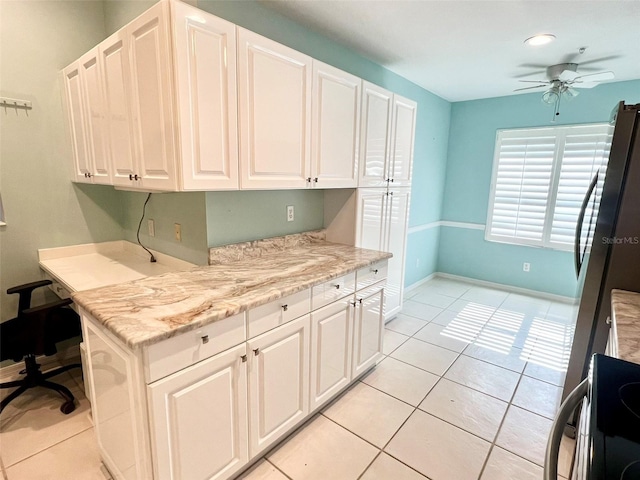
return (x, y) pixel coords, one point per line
(463, 50)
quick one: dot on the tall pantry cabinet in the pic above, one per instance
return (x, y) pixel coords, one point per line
(382, 210)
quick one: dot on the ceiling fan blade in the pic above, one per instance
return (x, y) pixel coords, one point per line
(596, 77)
(529, 88)
(581, 84)
(567, 75)
(534, 81)
(601, 59)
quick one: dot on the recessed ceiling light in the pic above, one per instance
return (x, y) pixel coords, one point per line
(541, 39)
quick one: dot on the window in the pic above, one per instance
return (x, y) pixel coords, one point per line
(540, 177)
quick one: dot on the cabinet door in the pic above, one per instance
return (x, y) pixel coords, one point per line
(77, 127)
(275, 119)
(370, 218)
(278, 382)
(335, 132)
(205, 64)
(368, 329)
(396, 218)
(115, 405)
(331, 348)
(375, 136)
(91, 77)
(403, 133)
(151, 98)
(114, 60)
(199, 419)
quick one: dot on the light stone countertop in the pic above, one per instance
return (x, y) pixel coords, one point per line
(626, 311)
(151, 309)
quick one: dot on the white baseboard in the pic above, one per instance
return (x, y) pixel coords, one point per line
(71, 354)
(511, 288)
(419, 283)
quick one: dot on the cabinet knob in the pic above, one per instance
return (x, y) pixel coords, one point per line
(243, 358)
(256, 351)
(130, 177)
(205, 339)
(315, 180)
(337, 285)
(391, 193)
(355, 304)
(375, 271)
(133, 177)
(608, 320)
(308, 179)
(89, 175)
(285, 307)
(392, 180)
(360, 301)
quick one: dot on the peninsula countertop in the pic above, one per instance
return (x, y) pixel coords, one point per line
(151, 309)
(626, 311)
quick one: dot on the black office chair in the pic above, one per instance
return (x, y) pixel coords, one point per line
(35, 331)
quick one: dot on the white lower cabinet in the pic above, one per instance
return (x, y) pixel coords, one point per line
(199, 419)
(368, 328)
(331, 340)
(203, 404)
(278, 382)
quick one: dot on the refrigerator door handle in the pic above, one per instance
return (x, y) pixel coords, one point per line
(583, 209)
(555, 437)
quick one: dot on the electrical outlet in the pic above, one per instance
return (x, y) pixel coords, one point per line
(289, 213)
(152, 228)
(526, 267)
(177, 228)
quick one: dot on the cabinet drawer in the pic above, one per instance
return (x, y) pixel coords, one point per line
(371, 274)
(333, 290)
(176, 353)
(265, 317)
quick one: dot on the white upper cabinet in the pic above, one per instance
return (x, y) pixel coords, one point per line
(403, 127)
(335, 130)
(151, 98)
(376, 131)
(206, 99)
(275, 104)
(85, 113)
(388, 131)
(114, 60)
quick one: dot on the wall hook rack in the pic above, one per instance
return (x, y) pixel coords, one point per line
(15, 103)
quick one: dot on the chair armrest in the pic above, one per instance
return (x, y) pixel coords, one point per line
(29, 287)
(48, 306)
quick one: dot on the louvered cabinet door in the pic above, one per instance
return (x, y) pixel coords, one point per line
(375, 135)
(403, 134)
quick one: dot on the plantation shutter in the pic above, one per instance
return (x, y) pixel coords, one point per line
(521, 184)
(585, 153)
(540, 177)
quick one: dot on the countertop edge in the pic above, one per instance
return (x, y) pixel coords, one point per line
(225, 310)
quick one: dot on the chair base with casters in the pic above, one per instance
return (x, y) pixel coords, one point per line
(35, 331)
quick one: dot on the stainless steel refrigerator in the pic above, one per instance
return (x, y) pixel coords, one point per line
(614, 257)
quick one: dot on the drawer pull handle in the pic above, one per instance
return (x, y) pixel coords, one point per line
(205, 339)
(256, 351)
(337, 285)
(285, 307)
(608, 320)
(244, 358)
(375, 271)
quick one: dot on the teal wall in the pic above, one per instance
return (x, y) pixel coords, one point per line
(43, 208)
(468, 180)
(432, 133)
(242, 216)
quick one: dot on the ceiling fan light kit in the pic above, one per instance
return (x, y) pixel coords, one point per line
(562, 81)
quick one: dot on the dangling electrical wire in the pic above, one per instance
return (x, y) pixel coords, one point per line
(152, 259)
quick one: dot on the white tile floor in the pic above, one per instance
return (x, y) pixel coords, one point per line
(467, 389)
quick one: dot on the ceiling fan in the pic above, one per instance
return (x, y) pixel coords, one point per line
(562, 81)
